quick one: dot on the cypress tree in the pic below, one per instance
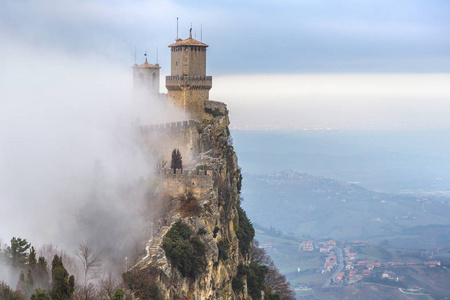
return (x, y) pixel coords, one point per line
(62, 284)
(177, 160)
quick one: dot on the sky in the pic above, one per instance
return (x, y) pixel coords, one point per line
(290, 50)
(286, 36)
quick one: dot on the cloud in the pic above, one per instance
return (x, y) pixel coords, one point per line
(336, 101)
(247, 36)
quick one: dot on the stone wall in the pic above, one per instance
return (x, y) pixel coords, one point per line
(161, 139)
(200, 182)
(191, 100)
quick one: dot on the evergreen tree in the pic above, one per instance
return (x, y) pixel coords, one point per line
(6, 293)
(177, 160)
(32, 260)
(40, 295)
(29, 283)
(119, 294)
(41, 274)
(21, 284)
(62, 284)
(17, 252)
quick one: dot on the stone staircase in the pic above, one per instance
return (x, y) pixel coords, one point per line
(152, 248)
(157, 241)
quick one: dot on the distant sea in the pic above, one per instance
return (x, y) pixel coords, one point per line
(390, 161)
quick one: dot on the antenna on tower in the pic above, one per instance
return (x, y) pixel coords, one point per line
(177, 27)
(145, 54)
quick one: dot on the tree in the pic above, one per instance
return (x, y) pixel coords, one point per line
(90, 260)
(245, 232)
(275, 283)
(17, 252)
(108, 285)
(21, 284)
(40, 295)
(32, 259)
(119, 294)
(62, 285)
(177, 160)
(6, 293)
(185, 251)
(42, 279)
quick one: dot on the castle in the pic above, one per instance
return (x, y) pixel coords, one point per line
(207, 259)
(188, 90)
(188, 86)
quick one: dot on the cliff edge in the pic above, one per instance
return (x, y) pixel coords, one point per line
(202, 246)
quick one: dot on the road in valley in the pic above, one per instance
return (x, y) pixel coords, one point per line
(340, 267)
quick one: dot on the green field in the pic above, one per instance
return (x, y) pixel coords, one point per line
(288, 258)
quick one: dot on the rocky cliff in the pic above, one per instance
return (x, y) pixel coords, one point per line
(196, 252)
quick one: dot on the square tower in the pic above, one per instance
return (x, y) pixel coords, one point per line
(188, 86)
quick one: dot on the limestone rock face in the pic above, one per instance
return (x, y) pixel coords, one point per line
(218, 198)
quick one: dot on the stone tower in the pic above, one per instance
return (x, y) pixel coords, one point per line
(146, 77)
(188, 86)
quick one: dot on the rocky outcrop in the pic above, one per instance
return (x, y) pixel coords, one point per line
(215, 224)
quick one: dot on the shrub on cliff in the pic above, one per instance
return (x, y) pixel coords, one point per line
(189, 204)
(142, 283)
(185, 251)
(245, 232)
(255, 274)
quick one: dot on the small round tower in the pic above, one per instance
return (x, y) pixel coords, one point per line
(146, 77)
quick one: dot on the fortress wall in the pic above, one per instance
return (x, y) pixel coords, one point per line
(161, 139)
(175, 183)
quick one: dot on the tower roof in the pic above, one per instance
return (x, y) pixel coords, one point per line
(188, 42)
(147, 65)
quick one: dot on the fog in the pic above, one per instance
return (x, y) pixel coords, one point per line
(72, 166)
(336, 101)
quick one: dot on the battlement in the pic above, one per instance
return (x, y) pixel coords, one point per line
(184, 173)
(174, 126)
(194, 82)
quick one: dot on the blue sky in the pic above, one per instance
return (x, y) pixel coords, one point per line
(287, 36)
(261, 53)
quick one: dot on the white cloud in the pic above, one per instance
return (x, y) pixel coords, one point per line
(339, 101)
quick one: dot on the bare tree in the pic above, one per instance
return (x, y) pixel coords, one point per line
(87, 292)
(108, 285)
(161, 164)
(274, 281)
(90, 260)
(91, 263)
